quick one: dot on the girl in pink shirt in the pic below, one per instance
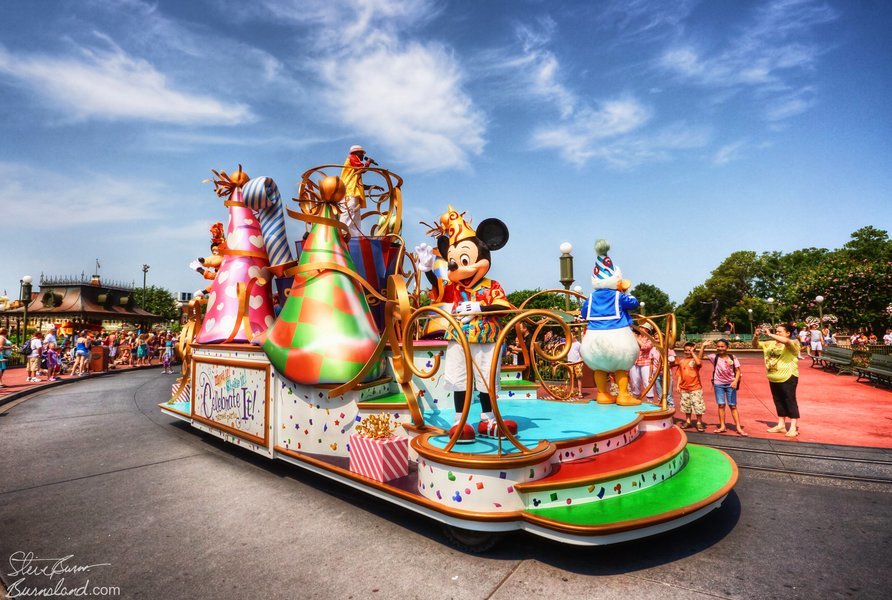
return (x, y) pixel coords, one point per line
(725, 381)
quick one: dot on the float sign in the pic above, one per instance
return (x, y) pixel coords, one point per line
(234, 397)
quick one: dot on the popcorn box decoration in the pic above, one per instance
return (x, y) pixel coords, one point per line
(376, 453)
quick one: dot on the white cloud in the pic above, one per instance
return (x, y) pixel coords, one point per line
(728, 153)
(389, 90)
(538, 70)
(622, 151)
(40, 200)
(187, 141)
(771, 53)
(645, 19)
(790, 104)
(112, 85)
(357, 24)
(612, 130)
(582, 137)
(409, 100)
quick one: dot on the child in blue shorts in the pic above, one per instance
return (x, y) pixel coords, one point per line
(725, 381)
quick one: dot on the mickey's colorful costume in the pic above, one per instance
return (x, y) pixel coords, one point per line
(467, 291)
(609, 346)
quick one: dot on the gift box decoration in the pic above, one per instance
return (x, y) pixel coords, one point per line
(376, 453)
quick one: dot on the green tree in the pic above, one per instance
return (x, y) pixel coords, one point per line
(857, 292)
(730, 283)
(855, 281)
(547, 301)
(157, 301)
(656, 300)
(869, 244)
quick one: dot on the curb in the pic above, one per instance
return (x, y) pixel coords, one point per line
(50, 384)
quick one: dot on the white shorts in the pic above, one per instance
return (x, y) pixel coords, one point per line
(351, 214)
(456, 376)
(817, 346)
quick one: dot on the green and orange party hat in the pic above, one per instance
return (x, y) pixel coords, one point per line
(325, 333)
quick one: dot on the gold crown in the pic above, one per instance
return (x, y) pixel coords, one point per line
(454, 225)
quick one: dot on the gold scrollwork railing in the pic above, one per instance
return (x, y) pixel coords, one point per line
(536, 351)
(408, 353)
(386, 201)
(663, 340)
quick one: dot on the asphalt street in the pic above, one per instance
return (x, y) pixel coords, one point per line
(134, 504)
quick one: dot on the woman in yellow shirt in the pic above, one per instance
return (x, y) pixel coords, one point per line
(781, 354)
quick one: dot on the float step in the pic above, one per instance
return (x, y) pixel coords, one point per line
(516, 383)
(708, 476)
(393, 400)
(649, 449)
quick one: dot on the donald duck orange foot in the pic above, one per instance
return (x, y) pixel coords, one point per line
(624, 398)
(602, 398)
(627, 400)
(603, 384)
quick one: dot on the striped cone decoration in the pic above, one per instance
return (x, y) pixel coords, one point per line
(325, 333)
(261, 194)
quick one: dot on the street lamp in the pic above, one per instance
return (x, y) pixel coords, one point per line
(145, 271)
(578, 290)
(771, 309)
(820, 301)
(25, 297)
(566, 280)
(641, 304)
(749, 313)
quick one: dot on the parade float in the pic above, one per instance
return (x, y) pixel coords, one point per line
(382, 372)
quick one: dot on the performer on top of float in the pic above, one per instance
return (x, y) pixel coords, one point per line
(354, 200)
(467, 290)
(609, 346)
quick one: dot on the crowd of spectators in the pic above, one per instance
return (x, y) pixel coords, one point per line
(48, 357)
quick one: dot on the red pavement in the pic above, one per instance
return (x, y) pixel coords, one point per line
(14, 379)
(834, 409)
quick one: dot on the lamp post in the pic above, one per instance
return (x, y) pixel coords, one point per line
(749, 313)
(25, 297)
(566, 280)
(770, 302)
(820, 301)
(641, 305)
(145, 271)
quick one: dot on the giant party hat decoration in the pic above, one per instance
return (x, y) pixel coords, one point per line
(239, 304)
(325, 333)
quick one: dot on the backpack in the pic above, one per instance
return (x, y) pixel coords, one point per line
(26, 349)
(715, 362)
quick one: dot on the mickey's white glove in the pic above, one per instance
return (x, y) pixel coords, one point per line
(426, 257)
(195, 265)
(467, 307)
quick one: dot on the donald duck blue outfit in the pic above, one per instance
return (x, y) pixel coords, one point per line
(609, 346)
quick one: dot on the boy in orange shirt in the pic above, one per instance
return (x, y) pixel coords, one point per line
(689, 386)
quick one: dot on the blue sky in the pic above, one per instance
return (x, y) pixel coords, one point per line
(680, 131)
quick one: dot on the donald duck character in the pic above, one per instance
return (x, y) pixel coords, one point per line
(609, 346)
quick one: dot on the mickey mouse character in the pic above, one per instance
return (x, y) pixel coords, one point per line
(467, 291)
